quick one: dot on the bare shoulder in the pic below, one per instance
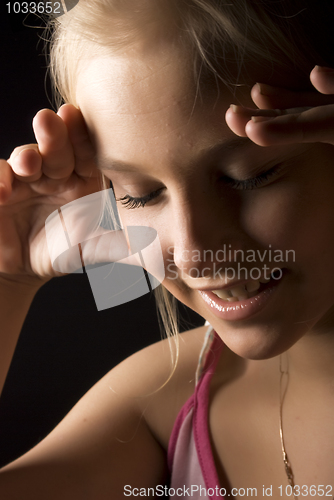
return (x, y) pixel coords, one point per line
(158, 360)
(99, 446)
(164, 390)
(150, 371)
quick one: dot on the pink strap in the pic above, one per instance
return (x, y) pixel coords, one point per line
(201, 419)
(199, 403)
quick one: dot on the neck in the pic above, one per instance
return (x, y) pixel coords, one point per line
(310, 366)
(311, 359)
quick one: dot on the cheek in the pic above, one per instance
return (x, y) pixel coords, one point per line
(141, 217)
(271, 216)
(296, 211)
(298, 219)
(312, 232)
(158, 256)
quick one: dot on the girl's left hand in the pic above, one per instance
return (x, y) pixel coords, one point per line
(286, 116)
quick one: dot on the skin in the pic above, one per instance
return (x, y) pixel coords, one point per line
(143, 111)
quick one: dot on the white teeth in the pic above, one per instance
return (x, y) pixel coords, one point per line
(239, 292)
(242, 292)
(233, 294)
(222, 294)
(232, 299)
(252, 286)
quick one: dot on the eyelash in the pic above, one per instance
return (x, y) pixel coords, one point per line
(131, 203)
(248, 184)
(253, 182)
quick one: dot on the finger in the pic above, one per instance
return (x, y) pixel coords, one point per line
(237, 117)
(313, 125)
(26, 163)
(78, 134)
(110, 246)
(323, 79)
(54, 145)
(6, 180)
(268, 97)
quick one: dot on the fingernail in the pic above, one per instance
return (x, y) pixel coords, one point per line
(258, 119)
(236, 109)
(324, 69)
(259, 88)
(16, 159)
(17, 164)
(266, 90)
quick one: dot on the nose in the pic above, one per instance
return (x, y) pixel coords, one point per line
(202, 229)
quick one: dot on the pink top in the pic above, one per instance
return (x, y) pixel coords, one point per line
(190, 458)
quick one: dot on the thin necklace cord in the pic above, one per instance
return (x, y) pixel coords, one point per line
(288, 469)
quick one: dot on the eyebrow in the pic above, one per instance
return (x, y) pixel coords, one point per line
(224, 147)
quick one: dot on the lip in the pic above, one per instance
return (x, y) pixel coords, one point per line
(243, 309)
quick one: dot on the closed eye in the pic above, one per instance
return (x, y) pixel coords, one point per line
(253, 182)
(132, 202)
(259, 181)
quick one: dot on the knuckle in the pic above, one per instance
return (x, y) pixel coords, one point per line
(300, 127)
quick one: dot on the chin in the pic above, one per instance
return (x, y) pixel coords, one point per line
(259, 343)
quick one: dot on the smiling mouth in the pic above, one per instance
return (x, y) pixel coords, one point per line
(249, 289)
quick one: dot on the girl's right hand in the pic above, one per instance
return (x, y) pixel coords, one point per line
(286, 116)
(35, 181)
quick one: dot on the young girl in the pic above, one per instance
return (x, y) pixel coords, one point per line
(246, 234)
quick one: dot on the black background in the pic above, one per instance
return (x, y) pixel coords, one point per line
(66, 345)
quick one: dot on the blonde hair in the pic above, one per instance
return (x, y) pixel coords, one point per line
(280, 34)
(221, 39)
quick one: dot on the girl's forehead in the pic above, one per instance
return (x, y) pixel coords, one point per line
(146, 108)
(135, 80)
(147, 77)
(150, 104)
(159, 87)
